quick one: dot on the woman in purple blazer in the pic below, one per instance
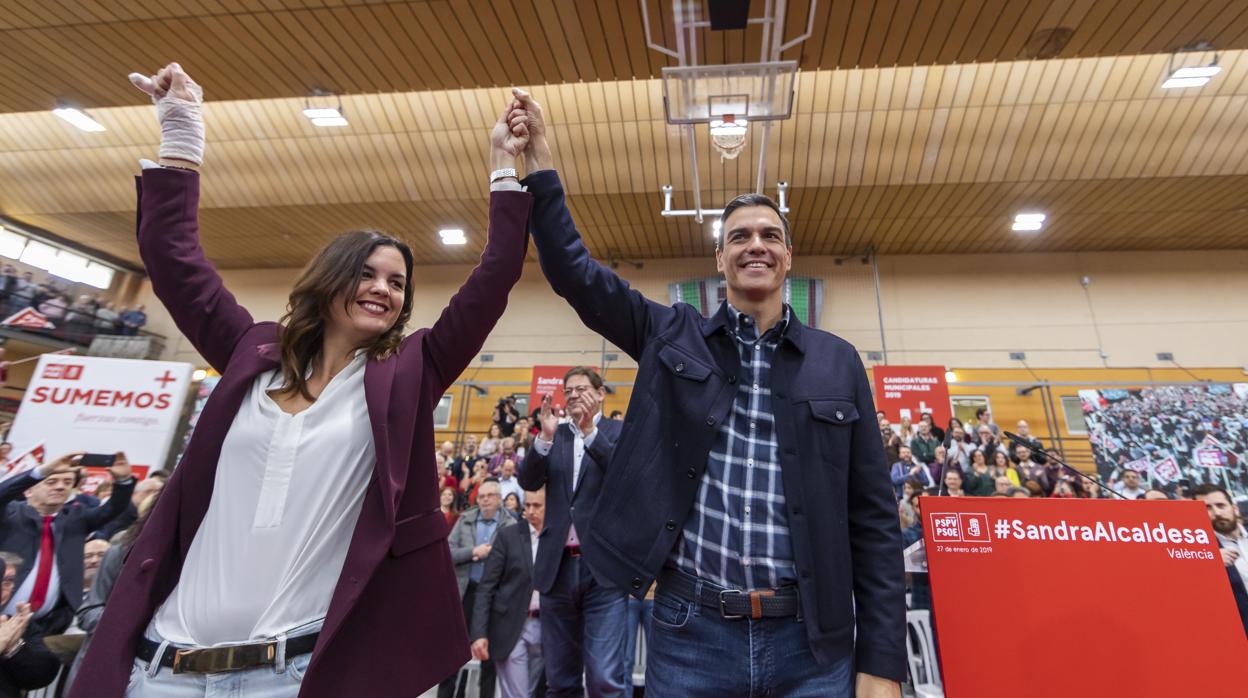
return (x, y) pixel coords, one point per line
(299, 548)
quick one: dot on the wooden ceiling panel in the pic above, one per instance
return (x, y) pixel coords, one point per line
(82, 51)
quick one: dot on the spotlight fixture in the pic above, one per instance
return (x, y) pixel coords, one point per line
(324, 116)
(452, 236)
(951, 377)
(1028, 222)
(717, 226)
(1192, 75)
(78, 118)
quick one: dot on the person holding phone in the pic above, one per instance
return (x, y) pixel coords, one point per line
(299, 547)
(50, 536)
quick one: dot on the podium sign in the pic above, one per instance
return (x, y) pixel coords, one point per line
(1071, 598)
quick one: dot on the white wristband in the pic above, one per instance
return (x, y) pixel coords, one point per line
(181, 126)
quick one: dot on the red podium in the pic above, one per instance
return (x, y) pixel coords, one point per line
(1069, 597)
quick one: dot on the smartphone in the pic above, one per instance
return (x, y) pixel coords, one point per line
(97, 460)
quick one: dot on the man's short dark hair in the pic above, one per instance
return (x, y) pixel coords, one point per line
(594, 379)
(1130, 470)
(1207, 489)
(745, 201)
(488, 480)
(158, 475)
(981, 412)
(915, 483)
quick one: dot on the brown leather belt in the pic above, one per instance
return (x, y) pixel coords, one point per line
(215, 660)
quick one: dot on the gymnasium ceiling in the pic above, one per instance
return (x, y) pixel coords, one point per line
(919, 127)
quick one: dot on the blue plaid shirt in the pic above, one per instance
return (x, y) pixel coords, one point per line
(737, 535)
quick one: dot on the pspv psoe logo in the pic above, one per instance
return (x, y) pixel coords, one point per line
(960, 528)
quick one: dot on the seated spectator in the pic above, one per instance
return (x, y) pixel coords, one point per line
(1037, 448)
(987, 442)
(1002, 487)
(959, 448)
(979, 482)
(480, 472)
(955, 425)
(892, 442)
(907, 467)
(1028, 469)
(1154, 494)
(511, 504)
(132, 321)
(1021, 492)
(953, 484)
(25, 661)
(905, 431)
(1002, 466)
(931, 425)
(1034, 489)
(924, 444)
(449, 503)
(506, 451)
(1129, 485)
(508, 484)
(93, 552)
(983, 418)
(492, 442)
(616, 414)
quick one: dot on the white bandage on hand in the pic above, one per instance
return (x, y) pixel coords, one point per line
(181, 125)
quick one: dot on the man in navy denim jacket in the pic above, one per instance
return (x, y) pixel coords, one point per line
(749, 478)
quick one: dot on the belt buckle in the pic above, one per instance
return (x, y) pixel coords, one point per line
(214, 660)
(723, 605)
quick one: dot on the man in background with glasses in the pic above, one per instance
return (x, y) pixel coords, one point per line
(583, 618)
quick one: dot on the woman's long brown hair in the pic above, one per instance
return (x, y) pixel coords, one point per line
(335, 272)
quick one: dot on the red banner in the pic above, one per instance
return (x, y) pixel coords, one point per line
(547, 380)
(1075, 569)
(93, 477)
(909, 391)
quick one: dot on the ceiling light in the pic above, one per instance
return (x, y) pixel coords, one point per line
(1192, 75)
(1028, 221)
(199, 375)
(324, 115)
(951, 377)
(716, 228)
(452, 236)
(78, 118)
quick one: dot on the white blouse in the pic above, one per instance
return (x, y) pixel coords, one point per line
(285, 501)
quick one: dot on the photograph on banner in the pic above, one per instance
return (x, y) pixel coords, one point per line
(1174, 434)
(99, 405)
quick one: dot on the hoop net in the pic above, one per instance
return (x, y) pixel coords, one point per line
(728, 145)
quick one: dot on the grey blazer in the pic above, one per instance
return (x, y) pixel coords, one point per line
(463, 539)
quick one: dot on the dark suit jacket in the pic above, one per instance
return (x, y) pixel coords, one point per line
(117, 525)
(841, 510)
(396, 598)
(567, 502)
(502, 602)
(1238, 591)
(21, 531)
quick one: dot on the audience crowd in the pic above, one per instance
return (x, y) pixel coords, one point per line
(478, 486)
(78, 318)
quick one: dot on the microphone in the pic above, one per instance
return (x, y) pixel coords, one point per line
(1036, 446)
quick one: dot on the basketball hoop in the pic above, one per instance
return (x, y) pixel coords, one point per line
(728, 136)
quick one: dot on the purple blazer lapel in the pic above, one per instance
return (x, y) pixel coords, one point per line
(391, 477)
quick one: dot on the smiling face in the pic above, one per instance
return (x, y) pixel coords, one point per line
(754, 255)
(370, 309)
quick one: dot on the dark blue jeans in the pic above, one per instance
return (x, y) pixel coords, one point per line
(583, 632)
(639, 612)
(693, 651)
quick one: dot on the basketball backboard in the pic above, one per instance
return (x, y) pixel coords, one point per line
(698, 94)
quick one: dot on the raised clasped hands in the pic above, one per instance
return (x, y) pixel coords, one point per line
(179, 101)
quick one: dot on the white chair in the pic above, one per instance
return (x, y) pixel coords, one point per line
(921, 652)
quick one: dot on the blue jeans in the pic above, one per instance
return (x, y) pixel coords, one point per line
(583, 632)
(693, 651)
(639, 612)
